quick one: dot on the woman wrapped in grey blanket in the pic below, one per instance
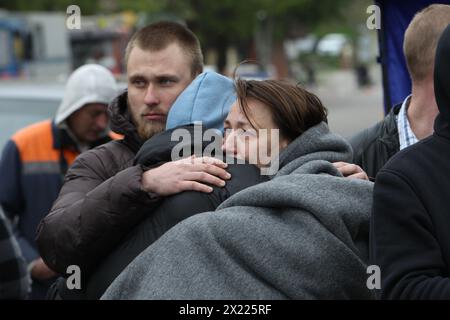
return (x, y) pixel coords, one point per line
(301, 235)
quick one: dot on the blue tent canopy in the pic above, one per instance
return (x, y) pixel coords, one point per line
(395, 17)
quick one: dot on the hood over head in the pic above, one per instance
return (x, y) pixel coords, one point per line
(208, 99)
(442, 82)
(90, 83)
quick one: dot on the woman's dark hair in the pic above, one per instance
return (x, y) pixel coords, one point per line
(294, 109)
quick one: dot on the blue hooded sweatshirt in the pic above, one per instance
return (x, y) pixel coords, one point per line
(207, 99)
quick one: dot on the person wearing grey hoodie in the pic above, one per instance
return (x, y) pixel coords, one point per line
(301, 235)
(206, 100)
(36, 158)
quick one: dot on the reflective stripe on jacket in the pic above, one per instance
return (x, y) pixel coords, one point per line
(32, 168)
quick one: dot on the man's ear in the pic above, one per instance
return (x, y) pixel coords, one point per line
(284, 142)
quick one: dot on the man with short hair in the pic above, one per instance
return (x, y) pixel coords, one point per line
(36, 158)
(413, 119)
(409, 238)
(105, 195)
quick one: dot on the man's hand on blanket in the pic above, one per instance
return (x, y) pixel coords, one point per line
(186, 174)
(350, 170)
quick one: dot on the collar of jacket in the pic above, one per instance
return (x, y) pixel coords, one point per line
(389, 135)
(122, 123)
(63, 140)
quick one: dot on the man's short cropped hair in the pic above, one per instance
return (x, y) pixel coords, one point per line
(159, 35)
(421, 38)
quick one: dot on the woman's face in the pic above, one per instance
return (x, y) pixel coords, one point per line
(256, 145)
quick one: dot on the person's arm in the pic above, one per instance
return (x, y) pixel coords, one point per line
(93, 211)
(403, 242)
(359, 143)
(14, 279)
(171, 211)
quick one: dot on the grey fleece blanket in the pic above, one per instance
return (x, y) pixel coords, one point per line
(302, 235)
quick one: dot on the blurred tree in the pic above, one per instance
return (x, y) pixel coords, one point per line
(220, 24)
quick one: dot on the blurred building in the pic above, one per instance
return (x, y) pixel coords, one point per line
(39, 44)
(102, 39)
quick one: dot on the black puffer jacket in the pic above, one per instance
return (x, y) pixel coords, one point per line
(373, 147)
(100, 201)
(172, 210)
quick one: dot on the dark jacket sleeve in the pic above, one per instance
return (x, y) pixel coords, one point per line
(367, 152)
(171, 211)
(92, 213)
(14, 279)
(11, 195)
(373, 147)
(403, 242)
(359, 143)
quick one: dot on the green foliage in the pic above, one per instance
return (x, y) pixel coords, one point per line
(220, 23)
(233, 19)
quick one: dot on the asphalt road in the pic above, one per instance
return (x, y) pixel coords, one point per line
(350, 109)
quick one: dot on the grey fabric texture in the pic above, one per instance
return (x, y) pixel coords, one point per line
(301, 235)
